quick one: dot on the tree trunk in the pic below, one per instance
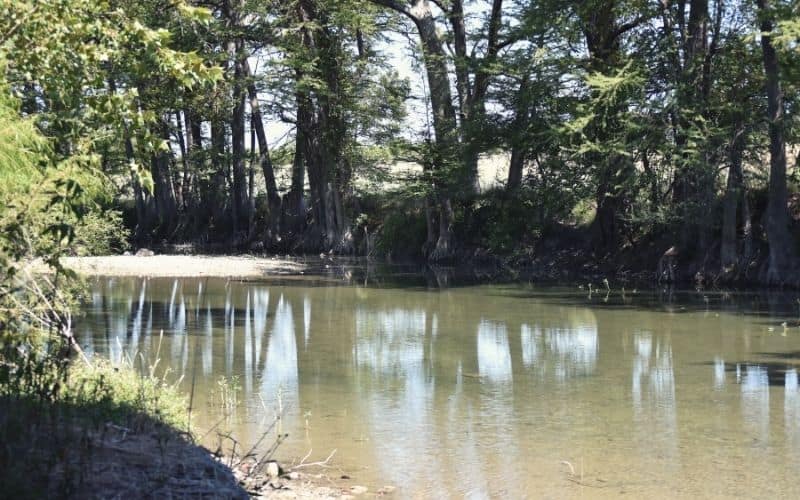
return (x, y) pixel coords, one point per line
(444, 121)
(447, 159)
(194, 145)
(142, 218)
(519, 145)
(218, 163)
(162, 182)
(292, 211)
(185, 187)
(777, 225)
(240, 201)
(467, 119)
(733, 195)
(693, 179)
(263, 146)
(602, 39)
(472, 98)
(515, 168)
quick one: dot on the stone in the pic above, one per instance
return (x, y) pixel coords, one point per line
(144, 252)
(358, 490)
(272, 469)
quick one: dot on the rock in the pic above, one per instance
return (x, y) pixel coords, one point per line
(273, 469)
(294, 475)
(127, 253)
(358, 490)
(386, 490)
(144, 252)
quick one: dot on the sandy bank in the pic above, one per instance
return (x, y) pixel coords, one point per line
(183, 266)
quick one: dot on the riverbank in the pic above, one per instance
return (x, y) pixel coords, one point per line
(183, 266)
(111, 432)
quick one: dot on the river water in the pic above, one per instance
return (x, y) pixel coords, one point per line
(479, 391)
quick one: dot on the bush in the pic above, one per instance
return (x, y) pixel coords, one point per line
(100, 233)
(502, 222)
(402, 234)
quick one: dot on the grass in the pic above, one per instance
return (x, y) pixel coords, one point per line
(111, 431)
(113, 391)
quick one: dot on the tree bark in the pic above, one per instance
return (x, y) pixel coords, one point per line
(166, 206)
(444, 120)
(777, 225)
(733, 195)
(692, 177)
(263, 146)
(194, 146)
(185, 184)
(240, 201)
(518, 140)
(219, 166)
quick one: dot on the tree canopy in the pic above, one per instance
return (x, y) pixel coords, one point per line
(364, 127)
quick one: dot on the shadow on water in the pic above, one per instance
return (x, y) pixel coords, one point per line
(759, 373)
(778, 306)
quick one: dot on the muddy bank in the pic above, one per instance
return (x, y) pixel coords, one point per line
(181, 266)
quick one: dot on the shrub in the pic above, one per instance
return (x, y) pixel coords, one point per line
(100, 233)
(402, 234)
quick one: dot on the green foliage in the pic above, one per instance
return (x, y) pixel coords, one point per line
(402, 233)
(82, 86)
(507, 224)
(100, 233)
(123, 395)
(22, 148)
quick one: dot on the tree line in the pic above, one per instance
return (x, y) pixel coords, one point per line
(626, 126)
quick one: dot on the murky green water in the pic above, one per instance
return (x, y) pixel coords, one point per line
(484, 391)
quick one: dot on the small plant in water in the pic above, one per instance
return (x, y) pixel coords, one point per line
(228, 389)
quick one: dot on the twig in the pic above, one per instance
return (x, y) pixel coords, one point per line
(323, 463)
(303, 460)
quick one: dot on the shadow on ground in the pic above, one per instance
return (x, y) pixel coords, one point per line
(64, 450)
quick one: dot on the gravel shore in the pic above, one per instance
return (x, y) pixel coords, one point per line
(183, 266)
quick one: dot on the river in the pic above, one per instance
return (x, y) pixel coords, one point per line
(479, 391)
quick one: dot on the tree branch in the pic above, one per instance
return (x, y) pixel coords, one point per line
(624, 28)
(396, 6)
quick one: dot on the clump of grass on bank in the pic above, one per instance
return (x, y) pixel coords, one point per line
(120, 395)
(109, 431)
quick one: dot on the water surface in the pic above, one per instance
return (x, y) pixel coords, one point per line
(484, 390)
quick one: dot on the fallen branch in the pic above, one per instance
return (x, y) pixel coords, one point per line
(323, 463)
